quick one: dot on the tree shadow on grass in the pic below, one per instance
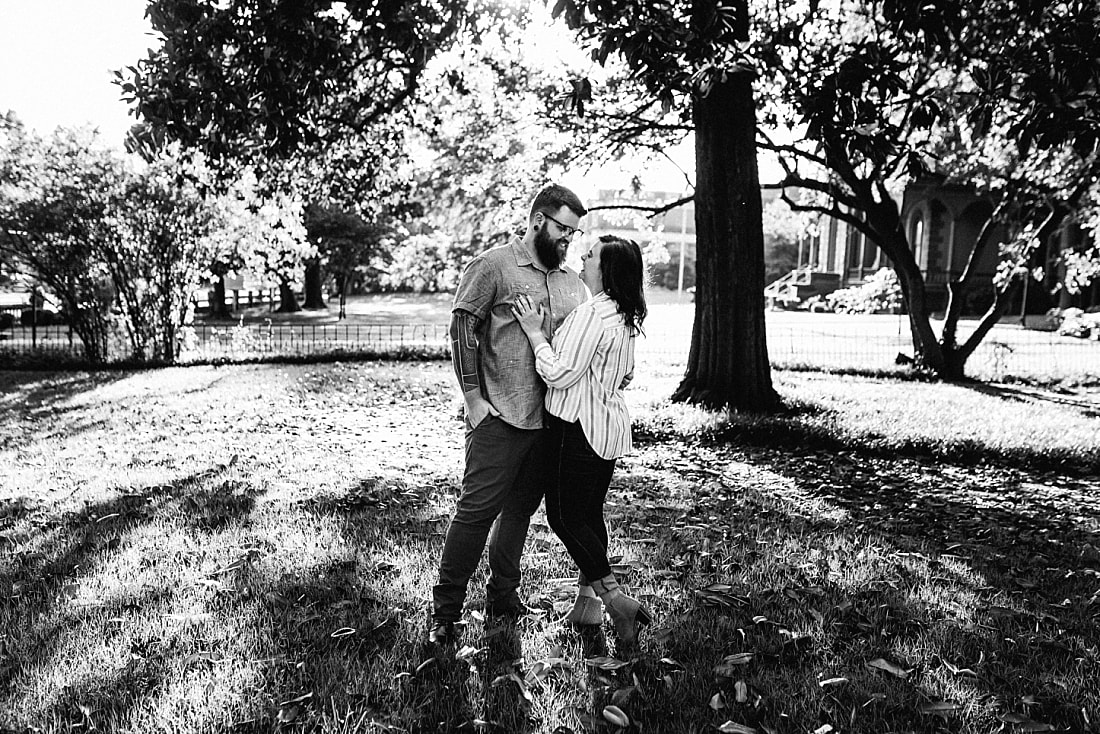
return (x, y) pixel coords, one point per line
(980, 581)
(43, 589)
(414, 685)
(37, 390)
(47, 401)
(1031, 547)
(1023, 394)
(788, 432)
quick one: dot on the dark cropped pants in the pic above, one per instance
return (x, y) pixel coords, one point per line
(575, 497)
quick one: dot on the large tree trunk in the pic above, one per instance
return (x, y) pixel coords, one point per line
(315, 295)
(884, 219)
(728, 362)
(288, 302)
(218, 309)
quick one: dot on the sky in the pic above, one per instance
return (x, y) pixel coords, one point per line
(57, 59)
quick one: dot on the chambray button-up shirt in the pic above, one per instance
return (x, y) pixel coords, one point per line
(488, 286)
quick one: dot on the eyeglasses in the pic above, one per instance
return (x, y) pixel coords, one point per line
(565, 228)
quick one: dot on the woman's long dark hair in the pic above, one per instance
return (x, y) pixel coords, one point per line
(621, 271)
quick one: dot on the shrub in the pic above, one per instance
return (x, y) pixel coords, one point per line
(46, 317)
(880, 294)
(1077, 323)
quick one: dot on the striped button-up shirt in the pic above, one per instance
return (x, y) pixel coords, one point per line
(592, 353)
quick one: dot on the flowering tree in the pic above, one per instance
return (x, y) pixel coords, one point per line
(56, 196)
(104, 234)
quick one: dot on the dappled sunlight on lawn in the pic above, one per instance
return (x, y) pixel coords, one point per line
(253, 547)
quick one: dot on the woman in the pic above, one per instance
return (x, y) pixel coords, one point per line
(590, 362)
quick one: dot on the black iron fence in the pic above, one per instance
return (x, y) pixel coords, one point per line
(813, 343)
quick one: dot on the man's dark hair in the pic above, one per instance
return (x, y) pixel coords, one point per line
(553, 197)
(623, 276)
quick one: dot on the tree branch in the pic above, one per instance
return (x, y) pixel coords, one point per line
(653, 210)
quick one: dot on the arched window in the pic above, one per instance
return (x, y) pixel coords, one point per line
(916, 237)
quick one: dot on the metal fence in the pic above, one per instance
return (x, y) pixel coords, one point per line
(807, 342)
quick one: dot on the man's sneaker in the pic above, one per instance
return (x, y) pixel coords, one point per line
(443, 634)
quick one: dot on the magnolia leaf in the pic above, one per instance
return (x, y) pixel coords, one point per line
(523, 689)
(741, 691)
(605, 663)
(823, 729)
(623, 695)
(616, 716)
(466, 652)
(939, 707)
(343, 632)
(425, 666)
(289, 713)
(209, 657)
(739, 658)
(832, 682)
(717, 701)
(888, 667)
(733, 728)
(1012, 717)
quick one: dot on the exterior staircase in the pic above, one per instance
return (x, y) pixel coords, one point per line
(798, 285)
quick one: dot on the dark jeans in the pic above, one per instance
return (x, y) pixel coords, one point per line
(574, 500)
(506, 475)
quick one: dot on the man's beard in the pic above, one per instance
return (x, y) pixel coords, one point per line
(546, 248)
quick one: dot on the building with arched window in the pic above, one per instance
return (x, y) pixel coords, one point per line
(942, 223)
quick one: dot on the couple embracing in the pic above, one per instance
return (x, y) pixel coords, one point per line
(542, 364)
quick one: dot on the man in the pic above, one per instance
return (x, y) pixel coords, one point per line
(506, 450)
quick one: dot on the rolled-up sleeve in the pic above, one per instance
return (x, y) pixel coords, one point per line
(476, 289)
(575, 343)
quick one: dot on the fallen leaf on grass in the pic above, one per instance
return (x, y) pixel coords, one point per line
(741, 691)
(731, 727)
(513, 676)
(616, 716)
(718, 594)
(939, 707)
(204, 656)
(717, 701)
(622, 696)
(466, 652)
(292, 709)
(832, 682)
(1023, 722)
(288, 714)
(888, 667)
(342, 632)
(605, 663)
(823, 729)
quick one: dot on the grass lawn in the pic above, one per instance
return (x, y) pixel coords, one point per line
(251, 548)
